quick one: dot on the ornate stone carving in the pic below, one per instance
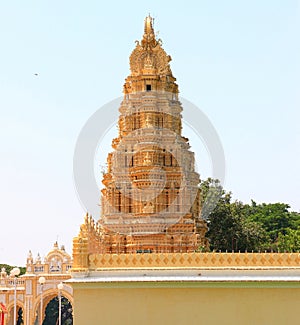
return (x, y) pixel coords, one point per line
(150, 196)
(149, 57)
(193, 260)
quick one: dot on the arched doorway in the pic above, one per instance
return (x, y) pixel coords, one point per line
(50, 308)
(51, 312)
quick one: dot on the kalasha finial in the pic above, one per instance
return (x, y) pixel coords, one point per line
(148, 40)
(148, 25)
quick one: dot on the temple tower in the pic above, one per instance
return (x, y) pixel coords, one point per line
(150, 201)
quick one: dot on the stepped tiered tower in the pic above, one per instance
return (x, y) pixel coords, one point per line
(151, 200)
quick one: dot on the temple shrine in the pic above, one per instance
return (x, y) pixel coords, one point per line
(151, 200)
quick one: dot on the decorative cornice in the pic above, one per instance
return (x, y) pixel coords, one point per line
(191, 260)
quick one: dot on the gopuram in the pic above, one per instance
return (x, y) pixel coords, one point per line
(151, 199)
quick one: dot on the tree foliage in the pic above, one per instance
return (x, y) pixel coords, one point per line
(242, 227)
(8, 268)
(290, 241)
(274, 217)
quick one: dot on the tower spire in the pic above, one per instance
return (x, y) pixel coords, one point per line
(148, 25)
(149, 41)
(149, 65)
(150, 196)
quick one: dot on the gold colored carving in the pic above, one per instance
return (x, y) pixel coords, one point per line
(194, 260)
(146, 205)
(149, 57)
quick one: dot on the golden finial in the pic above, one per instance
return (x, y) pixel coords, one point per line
(148, 25)
(148, 40)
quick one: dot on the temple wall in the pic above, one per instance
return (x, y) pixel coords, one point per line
(213, 304)
(195, 288)
(177, 260)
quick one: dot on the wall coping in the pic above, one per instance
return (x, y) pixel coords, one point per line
(175, 260)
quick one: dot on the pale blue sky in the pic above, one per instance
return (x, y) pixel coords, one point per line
(237, 60)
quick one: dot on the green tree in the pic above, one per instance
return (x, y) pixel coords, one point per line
(8, 268)
(275, 218)
(237, 226)
(290, 242)
(229, 227)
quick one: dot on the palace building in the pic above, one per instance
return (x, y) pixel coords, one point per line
(33, 297)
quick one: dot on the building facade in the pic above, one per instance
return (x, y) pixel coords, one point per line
(29, 292)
